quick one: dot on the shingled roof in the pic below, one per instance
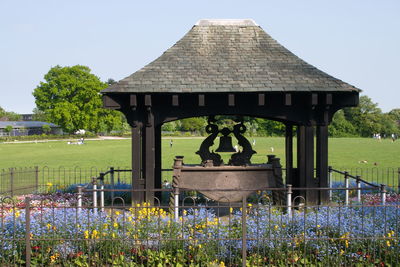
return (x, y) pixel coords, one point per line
(228, 56)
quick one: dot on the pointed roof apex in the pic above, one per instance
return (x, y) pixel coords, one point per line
(226, 22)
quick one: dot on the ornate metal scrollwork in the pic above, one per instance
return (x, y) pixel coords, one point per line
(204, 150)
(242, 157)
(237, 159)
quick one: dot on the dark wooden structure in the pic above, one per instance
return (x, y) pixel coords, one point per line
(231, 67)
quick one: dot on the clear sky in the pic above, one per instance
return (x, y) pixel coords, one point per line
(357, 41)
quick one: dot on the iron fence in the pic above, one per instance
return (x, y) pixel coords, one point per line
(71, 230)
(18, 181)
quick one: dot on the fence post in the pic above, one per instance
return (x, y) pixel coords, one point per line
(346, 184)
(12, 181)
(112, 181)
(79, 197)
(244, 231)
(289, 200)
(176, 203)
(358, 181)
(383, 194)
(330, 171)
(37, 178)
(102, 197)
(28, 250)
(398, 180)
(94, 182)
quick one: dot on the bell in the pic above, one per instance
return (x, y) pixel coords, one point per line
(225, 144)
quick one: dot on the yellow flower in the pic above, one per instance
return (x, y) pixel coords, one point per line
(231, 210)
(117, 213)
(86, 233)
(318, 226)
(276, 227)
(49, 184)
(17, 214)
(341, 252)
(388, 243)
(221, 264)
(54, 257)
(115, 225)
(95, 234)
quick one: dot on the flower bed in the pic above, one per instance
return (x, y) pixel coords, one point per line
(61, 234)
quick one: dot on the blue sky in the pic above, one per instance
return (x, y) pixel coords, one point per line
(357, 41)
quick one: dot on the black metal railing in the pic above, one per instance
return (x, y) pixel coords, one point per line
(42, 232)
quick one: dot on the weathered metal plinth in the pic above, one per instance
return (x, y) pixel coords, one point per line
(227, 183)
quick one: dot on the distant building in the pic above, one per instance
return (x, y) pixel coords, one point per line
(20, 128)
(27, 117)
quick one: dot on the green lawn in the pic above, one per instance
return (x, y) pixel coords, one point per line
(343, 152)
(364, 156)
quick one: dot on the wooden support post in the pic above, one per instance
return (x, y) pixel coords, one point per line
(305, 162)
(137, 197)
(149, 152)
(289, 153)
(158, 161)
(322, 162)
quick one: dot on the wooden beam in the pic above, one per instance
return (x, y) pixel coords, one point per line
(231, 100)
(322, 161)
(289, 153)
(133, 101)
(158, 162)
(149, 159)
(147, 100)
(329, 99)
(110, 103)
(288, 99)
(314, 99)
(305, 163)
(261, 99)
(175, 100)
(137, 197)
(201, 101)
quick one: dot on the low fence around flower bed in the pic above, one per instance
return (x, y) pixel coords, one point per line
(52, 229)
(18, 181)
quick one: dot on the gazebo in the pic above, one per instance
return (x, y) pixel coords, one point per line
(231, 67)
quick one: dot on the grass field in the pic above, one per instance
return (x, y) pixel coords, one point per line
(343, 153)
(376, 161)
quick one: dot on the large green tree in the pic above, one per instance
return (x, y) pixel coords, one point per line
(70, 97)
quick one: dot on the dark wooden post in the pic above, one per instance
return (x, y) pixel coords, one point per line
(158, 161)
(137, 197)
(289, 153)
(322, 161)
(149, 151)
(305, 162)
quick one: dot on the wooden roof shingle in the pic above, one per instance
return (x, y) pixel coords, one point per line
(228, 56)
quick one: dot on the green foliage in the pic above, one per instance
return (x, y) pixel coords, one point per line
(364, 120)
(340, 127)
(9, 116)
(70, 97)
(8, 129)
(46, 128)
(39, 115)
(196, 124)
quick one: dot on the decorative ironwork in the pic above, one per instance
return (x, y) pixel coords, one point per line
(204, 151)
(239, 158)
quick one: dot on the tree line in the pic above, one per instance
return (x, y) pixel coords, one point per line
(70, 97)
